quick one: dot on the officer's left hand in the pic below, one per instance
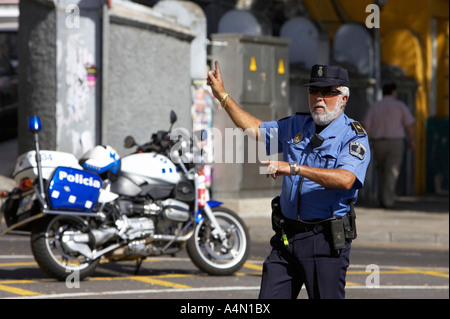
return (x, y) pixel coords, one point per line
(277, 168)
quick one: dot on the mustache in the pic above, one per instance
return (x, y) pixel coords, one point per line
(319, 104)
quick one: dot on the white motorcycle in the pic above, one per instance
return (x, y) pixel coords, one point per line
(130, 208)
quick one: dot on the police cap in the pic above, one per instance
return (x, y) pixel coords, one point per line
(328, 75)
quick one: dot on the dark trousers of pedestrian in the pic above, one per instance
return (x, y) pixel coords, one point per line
(389, 157)
(309, 260)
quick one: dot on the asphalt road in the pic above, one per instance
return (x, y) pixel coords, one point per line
(375, 273)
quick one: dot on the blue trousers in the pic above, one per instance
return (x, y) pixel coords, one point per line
(310, 259)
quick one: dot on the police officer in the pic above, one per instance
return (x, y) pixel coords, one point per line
(325, 158)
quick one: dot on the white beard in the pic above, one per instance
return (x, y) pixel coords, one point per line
(326, 117)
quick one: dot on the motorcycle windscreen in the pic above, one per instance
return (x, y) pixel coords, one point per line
(74, 189)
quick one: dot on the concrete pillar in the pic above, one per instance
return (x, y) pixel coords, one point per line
(96, 73)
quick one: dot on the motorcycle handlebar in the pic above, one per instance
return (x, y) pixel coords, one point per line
(162, 143)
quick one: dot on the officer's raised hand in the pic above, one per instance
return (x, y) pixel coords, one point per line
(247, 122)
(215, 81)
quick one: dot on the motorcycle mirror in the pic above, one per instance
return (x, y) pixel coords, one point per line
(34, 124)
(204, 135)
(200, 135)
(175, 157)
(129, 142)
(173, 117)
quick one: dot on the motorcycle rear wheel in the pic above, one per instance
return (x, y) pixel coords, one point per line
(212, 256)
(50, 254)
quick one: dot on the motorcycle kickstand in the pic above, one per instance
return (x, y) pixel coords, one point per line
(138, 265)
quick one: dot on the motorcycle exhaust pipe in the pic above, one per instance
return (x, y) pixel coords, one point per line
(172, 238)
(141, 247)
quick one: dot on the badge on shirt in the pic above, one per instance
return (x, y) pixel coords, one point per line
(358, 150)
(298, 138)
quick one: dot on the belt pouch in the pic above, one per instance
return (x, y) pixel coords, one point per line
(337, 233)
(351, 216)
(277, 215)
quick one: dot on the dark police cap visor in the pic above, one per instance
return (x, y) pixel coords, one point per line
(328, 75)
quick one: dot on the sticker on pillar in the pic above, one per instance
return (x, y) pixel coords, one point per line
(263, 77)
(253, 66)
(91, 75)
(249, 85)
(281, 69)
(283, 88)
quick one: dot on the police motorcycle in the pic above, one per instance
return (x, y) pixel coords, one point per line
(130, 208)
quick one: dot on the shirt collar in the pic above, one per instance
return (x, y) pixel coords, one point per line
(333, 128)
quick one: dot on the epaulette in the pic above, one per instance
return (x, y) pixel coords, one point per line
(285, 118)
(358, 128)
(297, 113)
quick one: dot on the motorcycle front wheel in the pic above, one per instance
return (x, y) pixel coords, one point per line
(217, 257)
(52, 254)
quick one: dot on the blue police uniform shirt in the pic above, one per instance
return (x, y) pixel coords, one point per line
(343, 147)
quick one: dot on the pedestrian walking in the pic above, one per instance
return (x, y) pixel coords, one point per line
(386, 122)
(325, 158)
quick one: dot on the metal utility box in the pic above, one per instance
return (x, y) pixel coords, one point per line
(255, 71)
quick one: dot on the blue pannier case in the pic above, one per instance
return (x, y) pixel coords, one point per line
(74, 189)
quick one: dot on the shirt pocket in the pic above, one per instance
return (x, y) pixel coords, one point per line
(295, 151)
(325, 161)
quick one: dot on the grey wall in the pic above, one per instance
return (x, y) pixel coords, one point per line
(37, 74)
(143, 71)
(148, 74)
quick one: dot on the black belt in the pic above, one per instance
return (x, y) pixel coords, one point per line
(295, 226)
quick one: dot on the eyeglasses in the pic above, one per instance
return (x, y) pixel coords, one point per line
(324, 91)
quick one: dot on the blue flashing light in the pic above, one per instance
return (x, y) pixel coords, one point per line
(34, 124)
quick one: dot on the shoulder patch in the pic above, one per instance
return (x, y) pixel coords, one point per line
(358, 128)
(358, 150)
